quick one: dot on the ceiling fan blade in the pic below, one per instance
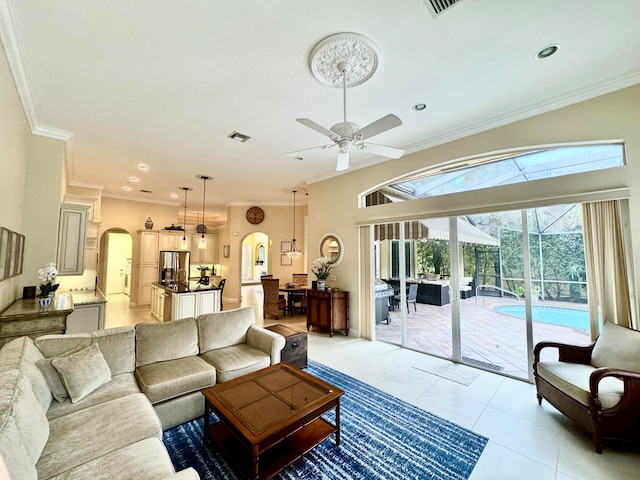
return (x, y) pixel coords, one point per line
(383, 150)
(381, 125)
(314, 126)
(343, 160)
(299, 152)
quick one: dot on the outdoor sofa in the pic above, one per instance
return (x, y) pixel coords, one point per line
(95, 405)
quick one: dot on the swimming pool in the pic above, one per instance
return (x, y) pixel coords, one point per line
(568, 317)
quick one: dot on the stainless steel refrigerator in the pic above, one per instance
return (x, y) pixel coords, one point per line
(173, 266)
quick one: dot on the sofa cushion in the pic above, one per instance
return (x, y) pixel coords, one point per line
(21, 353)
(617, 347)
(232, 362)
(164, 380)
(99, 430)
(144, 460)
(83, 372)
(54, 345)
(573, 380)
(119, 386)
(53, 377)
(118, 345)
(24, 429)
(159, 342)
(223, 329)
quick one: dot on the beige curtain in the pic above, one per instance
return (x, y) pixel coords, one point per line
(607, 273)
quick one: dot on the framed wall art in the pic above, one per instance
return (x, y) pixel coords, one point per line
(285, 247)
(285, 260)
(11, 253)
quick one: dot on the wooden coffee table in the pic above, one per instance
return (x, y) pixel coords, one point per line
(270, 418)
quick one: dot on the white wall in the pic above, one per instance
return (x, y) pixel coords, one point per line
(30, 186)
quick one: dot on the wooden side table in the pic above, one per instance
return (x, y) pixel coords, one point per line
(295, 349)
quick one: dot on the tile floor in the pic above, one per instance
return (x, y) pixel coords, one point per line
(526, 441)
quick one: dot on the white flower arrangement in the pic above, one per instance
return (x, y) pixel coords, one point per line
(47, 276)
(322, 268)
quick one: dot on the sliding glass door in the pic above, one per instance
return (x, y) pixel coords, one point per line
(486, 287)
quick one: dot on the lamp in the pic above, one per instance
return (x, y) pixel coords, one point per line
(202, 228)
(294, 252)
(183, 244)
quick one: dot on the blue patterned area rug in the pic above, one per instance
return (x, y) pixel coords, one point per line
(382, 437)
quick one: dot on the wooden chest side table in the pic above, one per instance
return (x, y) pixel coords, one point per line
(295, 349)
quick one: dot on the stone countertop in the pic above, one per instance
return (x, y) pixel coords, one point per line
(29, 308)
(192, 287)
(87, 297)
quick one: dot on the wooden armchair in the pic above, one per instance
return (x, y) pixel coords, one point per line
(597, 386)
(273, 301)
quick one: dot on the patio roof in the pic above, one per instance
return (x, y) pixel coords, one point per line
(434, 229)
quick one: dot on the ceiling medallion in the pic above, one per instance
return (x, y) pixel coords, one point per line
(328, 58)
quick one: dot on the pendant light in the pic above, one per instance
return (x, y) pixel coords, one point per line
(202, 229)
(183, 244)
(294, 252)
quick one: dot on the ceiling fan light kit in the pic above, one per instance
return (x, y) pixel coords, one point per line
(347, 60)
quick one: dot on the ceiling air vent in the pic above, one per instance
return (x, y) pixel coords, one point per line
(238, 137)
(145, 191)
(437, 7)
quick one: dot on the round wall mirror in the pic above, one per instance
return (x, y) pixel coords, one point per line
(331, 246)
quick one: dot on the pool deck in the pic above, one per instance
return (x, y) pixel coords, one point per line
(490, 339)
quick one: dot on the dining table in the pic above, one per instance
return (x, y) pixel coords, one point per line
(292, 292)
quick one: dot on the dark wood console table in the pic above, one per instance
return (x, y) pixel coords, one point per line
(328, 310)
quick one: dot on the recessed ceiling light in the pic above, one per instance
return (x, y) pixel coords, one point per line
(419, 107)
(143, 167)
(174, 195)
(546, 52)
(126, 188)
(133, 179)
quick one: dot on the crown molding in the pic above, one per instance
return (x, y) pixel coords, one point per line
(13, 48)
(52, 132)
(141, 200)
(550, 104)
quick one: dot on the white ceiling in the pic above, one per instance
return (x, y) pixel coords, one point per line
(163, 82)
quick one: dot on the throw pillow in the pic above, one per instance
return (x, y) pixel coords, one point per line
(617, 347)
(83, 372)
(53, 377)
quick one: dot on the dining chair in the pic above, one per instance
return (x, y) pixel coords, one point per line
(273, 302)
(299, 298)
(221, 287)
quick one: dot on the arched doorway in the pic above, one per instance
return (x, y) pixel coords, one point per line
(115, 262)
(255, 257)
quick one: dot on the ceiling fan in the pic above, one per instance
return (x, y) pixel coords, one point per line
(354, 63)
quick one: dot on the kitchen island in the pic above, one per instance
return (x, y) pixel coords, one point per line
(182, 300)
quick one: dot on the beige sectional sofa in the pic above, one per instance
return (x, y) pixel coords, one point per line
(94, 405)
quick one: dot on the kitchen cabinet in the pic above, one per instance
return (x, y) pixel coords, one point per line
(168, 304)
(86, 318)
(184, 305)
(328, 310)
(72, 231)
(147, 264)
(151, 242)
(171, 240)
